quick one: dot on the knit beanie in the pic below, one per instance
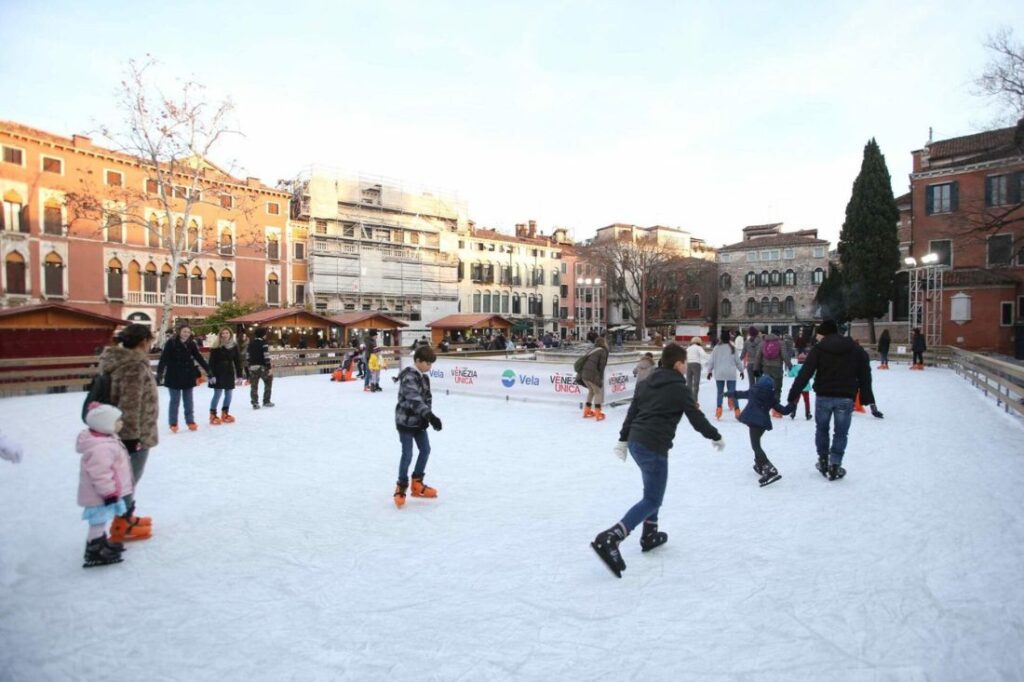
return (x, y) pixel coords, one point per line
(827, 327)
(102, 418)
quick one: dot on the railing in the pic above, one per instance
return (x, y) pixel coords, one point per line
(1003, 381)
(147, 297)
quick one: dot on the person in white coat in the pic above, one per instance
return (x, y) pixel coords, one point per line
(696, 362)
(723, 365)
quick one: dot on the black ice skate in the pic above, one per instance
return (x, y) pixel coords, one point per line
(652, 537)
(98, 553)
(835, 472)
(822, 465)
(267, 403)
(769, 474)
(606, 545)
(757, 468)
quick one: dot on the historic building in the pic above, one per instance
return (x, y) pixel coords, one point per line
(770, 278)
(82, 225)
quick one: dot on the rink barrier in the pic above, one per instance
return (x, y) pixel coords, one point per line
(998, 379)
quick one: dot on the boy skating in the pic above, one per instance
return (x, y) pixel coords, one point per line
(413, 413)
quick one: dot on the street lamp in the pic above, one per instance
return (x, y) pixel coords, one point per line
(925, 296)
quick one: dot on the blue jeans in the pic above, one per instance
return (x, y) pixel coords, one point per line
(176, 395)
(730, 387)
(216, 398)
(654, 470)
(824, 410)
(422, 444)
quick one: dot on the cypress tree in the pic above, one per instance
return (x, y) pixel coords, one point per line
(831, 297)
(869, 253)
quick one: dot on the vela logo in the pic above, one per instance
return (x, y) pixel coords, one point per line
(508, 378)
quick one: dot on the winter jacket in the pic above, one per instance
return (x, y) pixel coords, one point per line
(751, 348)
(375, 363)
(840, 367)
(695, 353)
(414, 400)
(105, 470)
(788, 349)
(593, 367)
(724, 363)
(761, 363)
(177, 366)
(643, 368)
(257, 354)
(794, 372)
(917, 344)
(760, 400)
(883, 344)
(225, 366)
(738, 342)
(133, 390)
(657, 406)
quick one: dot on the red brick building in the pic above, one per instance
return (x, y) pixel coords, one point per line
(965, 207)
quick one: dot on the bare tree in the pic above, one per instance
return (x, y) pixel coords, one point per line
(1003, 77)
(632, 266)
(170, 137)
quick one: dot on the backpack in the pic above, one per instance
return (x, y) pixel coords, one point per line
(98, 391)
(580, 361)
(771, 350)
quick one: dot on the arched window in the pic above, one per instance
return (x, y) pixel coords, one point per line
(193, 236)
(196, 283)
(776, 306)
(227, 285)
(789, 279)
(726, 307)
(13, 219)
(14, 265)
(539, 309)
(273, 247)
(165, 277)
(179, 231)
(789, 306)
(486, 300)
(751, 279)
(273, 289)
(504, 302)
(181, 282)
(115, 280)
(149, 279)
(496, 302)
(762, 280)
(134, 277)
(210, 283)
(476, 302)
(776, 278)
(53, 218)
(53, 275)
(818, 276)
(114, 232)
(517, 304)
(751, 307)
(766, 305)
(725, 282)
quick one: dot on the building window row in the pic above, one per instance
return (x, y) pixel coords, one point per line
(768, 279)
(766, 306)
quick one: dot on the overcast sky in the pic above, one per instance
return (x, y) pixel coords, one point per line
(705, 116)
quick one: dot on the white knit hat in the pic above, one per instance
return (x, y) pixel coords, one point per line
(103, 418)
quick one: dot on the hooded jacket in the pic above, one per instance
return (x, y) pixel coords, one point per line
(133, 390)
(760, 400)
(658, 405)
(105, 470)
(593, 367)
(840, 368)
(177, 366)
(643, 368)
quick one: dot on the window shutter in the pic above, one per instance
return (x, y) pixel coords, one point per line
(988, 191)
(928, 200)
(24, 227)
(1016, 180)
(954, 196)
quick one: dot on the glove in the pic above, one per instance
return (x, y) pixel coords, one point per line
(741, 375)
(876, 413)
(131, 445)
(435, 423)
(719, 444)
(110, 499)
(709, 376)
(791, 410)
(620, 450)
(757, 375)
(212, 381)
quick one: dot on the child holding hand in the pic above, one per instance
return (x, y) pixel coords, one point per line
(761, 399)
(105, 477)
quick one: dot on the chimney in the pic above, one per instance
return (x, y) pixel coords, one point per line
(533, 229)
(81, 141)
(520, 230)
(252, 182)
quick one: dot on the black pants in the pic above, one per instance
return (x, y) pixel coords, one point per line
(760, 458)
(918, 358)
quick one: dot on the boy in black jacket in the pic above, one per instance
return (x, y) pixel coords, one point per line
(258, 366)
(413, 413)
(658, 404)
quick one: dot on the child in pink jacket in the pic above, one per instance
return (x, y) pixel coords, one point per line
(105, 477)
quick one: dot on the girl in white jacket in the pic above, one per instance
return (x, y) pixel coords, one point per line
(723, 365)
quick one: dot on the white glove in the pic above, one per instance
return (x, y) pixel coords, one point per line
(10, 450)
(620, 450)
(718, 444)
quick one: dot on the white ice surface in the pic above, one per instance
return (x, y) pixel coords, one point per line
(278, 554)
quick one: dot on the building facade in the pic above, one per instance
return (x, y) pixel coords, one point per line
(770, 278)
(966, 209)
(82, 225)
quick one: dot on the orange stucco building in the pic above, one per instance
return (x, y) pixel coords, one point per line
(81, 224)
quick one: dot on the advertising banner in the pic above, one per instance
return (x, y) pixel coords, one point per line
(525, 380)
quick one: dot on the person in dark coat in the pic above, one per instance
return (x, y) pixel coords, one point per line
(178, 372)
(883, 349)
(647, 433)
(839, 369)
(755, 415)
(918, 347)
(257, 365)
(592, 375)
(226, 369)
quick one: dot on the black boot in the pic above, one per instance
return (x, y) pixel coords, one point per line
(835, 472)
(769, 474)
(606, 545)
(822, 465)
(652, 537)
(97, 553)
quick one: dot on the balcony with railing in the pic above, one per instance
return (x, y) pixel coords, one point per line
(156, 298)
